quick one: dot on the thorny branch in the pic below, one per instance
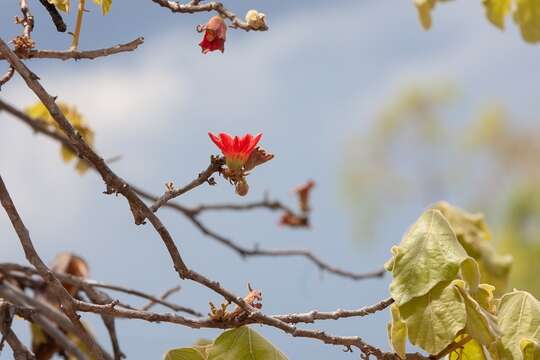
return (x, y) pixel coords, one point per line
(195, 6)
(117, 185)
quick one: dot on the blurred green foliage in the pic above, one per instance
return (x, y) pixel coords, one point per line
(422, 148)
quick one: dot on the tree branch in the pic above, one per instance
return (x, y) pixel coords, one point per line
(195, 6)
(78, 55)
(312, 316)
(20, 352)
(191, 213)
(58, 336)
(163, 297)
(55, 15)
(84, 284)
(7, 76)
(32, 256)
(139, 209)
(216, 162)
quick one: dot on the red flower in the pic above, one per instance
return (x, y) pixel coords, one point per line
(236, 150)
(214, 35)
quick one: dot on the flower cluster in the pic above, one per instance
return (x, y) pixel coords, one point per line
(241, 156)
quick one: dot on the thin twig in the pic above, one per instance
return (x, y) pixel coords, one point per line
(195, 6)
(256, 251)
(315, 315)
(7, 76)
(216, 164)
(164, 296)
(78, 55)
(28, 20)
(85, 283)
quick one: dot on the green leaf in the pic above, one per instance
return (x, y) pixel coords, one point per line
(105, 5)
(497, 10)
(472, 350)
(424, 8)
(519, 318)
(397, 332)
(433, 320)
(243, 343)
(527, 16)
(428, 254)
(183, 354)
(530, 349)
(481, 325)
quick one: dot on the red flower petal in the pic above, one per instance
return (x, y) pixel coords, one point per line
(216, 140)
(254, 143)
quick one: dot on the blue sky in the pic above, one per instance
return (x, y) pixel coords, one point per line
(309, 84)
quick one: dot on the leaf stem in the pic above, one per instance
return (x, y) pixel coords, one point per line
(78, 25)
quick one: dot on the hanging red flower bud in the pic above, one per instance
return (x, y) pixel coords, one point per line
(215, 32)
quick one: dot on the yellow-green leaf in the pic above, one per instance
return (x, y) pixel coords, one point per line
(433, 320)
(472, 350)
(397, 332)
(473, 234)
(428, 254)
(497, 10)
(519, 318)
(105, 5)
(82, 167)
(62, 5)
(527, 16)
(37, 335)
(67, 153)
(243, 343)
(40, 112)
(424, 8)
(471, 274)
(183, 354)
(481, 325)
(484, 297)
(530, 349)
